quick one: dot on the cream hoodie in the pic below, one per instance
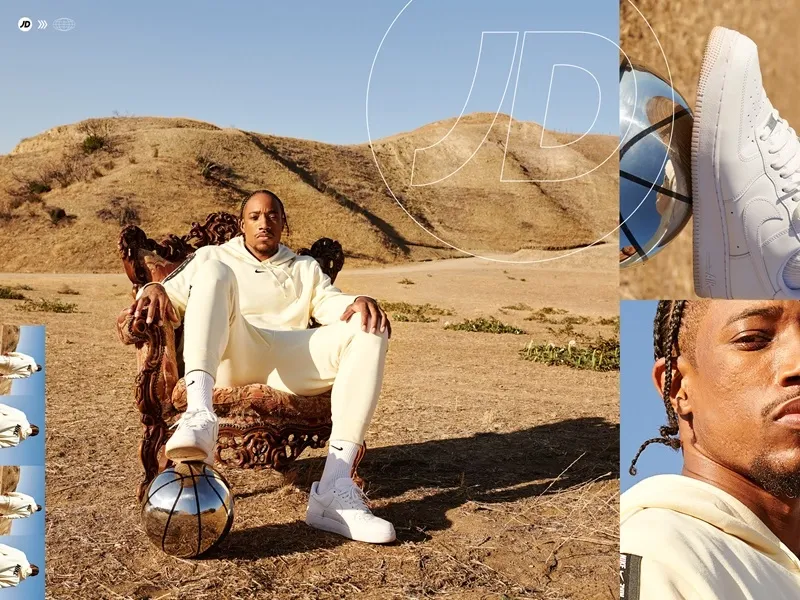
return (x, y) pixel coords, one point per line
(14, 426)
(14, 566)
(15, 365)
(16, 505)
(697, 542)
(281, 292)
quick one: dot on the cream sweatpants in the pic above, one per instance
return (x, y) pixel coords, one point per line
(339, 357)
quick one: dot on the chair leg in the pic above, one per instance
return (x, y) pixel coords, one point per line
(154, 436)
(148, 401)
(359, 481)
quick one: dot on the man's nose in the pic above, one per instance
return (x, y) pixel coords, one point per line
(789, 360)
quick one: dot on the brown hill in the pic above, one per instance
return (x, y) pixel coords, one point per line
(65, 193)
(9, 338)
(9, 479)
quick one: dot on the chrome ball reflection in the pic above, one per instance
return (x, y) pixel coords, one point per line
(655, 184)
(188, 509)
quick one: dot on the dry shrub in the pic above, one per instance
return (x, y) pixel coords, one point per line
(59, 216)
(7, 293)
(600, 355)
(414, 313)
(483, 325)
(44, 305)
(120, 210)
(68, 291)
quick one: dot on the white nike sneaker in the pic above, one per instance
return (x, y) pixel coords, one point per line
(746, 180)
(195, 437)
(343, 509)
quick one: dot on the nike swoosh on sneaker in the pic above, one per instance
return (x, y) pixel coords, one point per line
(333, 515)
(337, 447)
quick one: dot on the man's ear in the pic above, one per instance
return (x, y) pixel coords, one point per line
(678, 393)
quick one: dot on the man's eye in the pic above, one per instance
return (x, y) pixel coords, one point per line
(752, 340)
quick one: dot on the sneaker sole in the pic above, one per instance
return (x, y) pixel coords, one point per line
(325, 524)
(711, 264)
(186, 454)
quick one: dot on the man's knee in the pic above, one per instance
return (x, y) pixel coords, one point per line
(353, 328)
(214, 271)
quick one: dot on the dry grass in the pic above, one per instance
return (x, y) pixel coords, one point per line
(45, 305)
(600, 355)
(413, 313)
(682, 27)
(497, 488)
(484, 325)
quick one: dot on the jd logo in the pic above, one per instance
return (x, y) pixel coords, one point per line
(25, 24)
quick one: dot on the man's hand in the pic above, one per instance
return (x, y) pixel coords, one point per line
(155, 301)
(373, 316)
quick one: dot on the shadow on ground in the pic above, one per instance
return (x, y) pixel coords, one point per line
(440, 475)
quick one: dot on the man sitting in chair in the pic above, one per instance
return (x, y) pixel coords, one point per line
(246, 306)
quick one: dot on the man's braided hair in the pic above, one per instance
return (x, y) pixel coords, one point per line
(666, 328)
(272, 195)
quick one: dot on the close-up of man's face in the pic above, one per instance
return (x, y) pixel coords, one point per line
(262, 224)
(738, 392)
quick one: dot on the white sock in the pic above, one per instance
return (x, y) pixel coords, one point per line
(791, 272)
(341, 456)
(199, 391)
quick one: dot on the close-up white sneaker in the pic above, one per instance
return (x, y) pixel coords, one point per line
(343, 509)
(195, 437)
(746, 180)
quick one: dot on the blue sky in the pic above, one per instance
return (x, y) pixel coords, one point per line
(33, 547)
(31, 482)
(301, 68)
(641, 408)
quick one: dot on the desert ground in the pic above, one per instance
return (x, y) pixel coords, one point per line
(682, 28)
(500, 474)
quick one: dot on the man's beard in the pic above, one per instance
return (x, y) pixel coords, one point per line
(779, 483)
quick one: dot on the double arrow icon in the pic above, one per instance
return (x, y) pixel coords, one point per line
(42, 24)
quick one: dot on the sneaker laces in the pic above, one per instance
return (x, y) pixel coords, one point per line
(785, 144)
(196, 418)
(354, 497)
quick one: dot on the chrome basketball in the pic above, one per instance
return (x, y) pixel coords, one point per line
(188, 509)
(655, 167)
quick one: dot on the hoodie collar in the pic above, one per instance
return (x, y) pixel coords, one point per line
(708, 503)
(283, 257)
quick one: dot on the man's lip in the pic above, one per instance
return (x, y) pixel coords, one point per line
(790, 409)
(263, 235)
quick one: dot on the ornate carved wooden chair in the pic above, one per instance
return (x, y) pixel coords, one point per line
(259, 426)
